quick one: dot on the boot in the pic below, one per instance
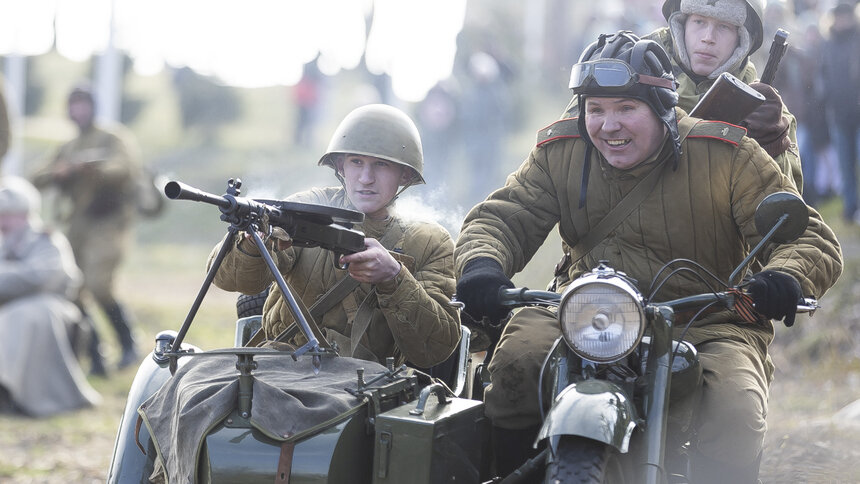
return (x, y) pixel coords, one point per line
(512, 448)
(706, 471)
(119, 321)
(97, 361)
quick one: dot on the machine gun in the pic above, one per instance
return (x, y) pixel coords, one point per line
(730, 99)
(308, 225)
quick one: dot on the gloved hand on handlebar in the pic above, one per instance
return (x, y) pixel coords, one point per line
(766, 124)
(478, 288)
(775, 295)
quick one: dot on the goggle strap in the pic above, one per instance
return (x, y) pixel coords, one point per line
(656, 81)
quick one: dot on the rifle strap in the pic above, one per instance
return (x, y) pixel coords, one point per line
(364, 314)
(620, 211)
(340, 290)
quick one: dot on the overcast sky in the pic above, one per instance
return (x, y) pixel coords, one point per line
(414, 41)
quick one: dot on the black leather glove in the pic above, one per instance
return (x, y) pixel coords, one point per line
(766, 124)
(775, 295)
(478, 288)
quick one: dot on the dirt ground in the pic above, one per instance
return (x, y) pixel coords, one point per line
(812, 437)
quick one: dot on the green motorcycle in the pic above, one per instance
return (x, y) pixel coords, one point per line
(609, 381)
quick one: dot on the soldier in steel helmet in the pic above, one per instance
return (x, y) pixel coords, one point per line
(96, 175)
(405, 277)
(710, 177)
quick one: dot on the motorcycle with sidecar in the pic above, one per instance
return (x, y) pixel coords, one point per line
(255, 414)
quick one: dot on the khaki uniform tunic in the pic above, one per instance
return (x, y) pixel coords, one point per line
(703, 211)
(411, 320)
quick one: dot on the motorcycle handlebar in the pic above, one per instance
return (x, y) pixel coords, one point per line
(521, 296)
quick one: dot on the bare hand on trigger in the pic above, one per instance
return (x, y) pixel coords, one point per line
(373, 265)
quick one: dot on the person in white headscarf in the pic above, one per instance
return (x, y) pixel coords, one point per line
(39, 374)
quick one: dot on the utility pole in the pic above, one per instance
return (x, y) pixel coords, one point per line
(108, 77)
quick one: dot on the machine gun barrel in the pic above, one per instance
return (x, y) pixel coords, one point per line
(176, 190)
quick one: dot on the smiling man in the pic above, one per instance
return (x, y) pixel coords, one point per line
(400, 284)
(702, 181)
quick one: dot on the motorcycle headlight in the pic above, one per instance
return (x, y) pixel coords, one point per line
(602, 319)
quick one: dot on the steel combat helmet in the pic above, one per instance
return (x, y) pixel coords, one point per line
(381, 131)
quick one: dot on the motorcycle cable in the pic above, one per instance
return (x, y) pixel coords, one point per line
(652, 291)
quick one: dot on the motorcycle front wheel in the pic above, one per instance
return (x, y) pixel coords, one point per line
(584, 461)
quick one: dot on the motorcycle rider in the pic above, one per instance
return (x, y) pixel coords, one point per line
(701, 207)
(706, 38)
(405, 277)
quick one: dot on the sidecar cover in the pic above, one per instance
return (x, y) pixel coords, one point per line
(289, 402)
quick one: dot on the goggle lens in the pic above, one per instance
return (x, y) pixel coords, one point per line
(604, 74)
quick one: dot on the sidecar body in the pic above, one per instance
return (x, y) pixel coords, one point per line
(353, 421)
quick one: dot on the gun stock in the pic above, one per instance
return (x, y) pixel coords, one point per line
(729, 100)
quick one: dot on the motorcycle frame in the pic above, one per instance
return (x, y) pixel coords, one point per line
(582, 403)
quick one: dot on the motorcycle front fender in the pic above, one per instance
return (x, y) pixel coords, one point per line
(595, 409)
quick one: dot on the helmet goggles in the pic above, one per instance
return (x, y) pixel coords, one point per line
(611, 75)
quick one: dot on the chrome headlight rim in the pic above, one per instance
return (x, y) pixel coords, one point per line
(621, 286)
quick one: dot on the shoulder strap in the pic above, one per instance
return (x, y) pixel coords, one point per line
(347, 284)
(364, 315)
(563, 128)
(617, 214)
(341, 289)
(625, 206)
(718, 130)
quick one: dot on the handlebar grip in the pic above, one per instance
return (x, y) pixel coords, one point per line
(510, 296)
(807, 305)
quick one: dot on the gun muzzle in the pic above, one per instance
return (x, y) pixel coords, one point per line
(180, 191)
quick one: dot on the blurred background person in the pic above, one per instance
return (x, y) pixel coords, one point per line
(804, 91)
(485, 108)
(306, 96)
(841, 76)
(436, 117)
(39, 374)
(5, 131)
(97, 174)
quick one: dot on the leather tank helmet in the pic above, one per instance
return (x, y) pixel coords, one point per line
(650, 78)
